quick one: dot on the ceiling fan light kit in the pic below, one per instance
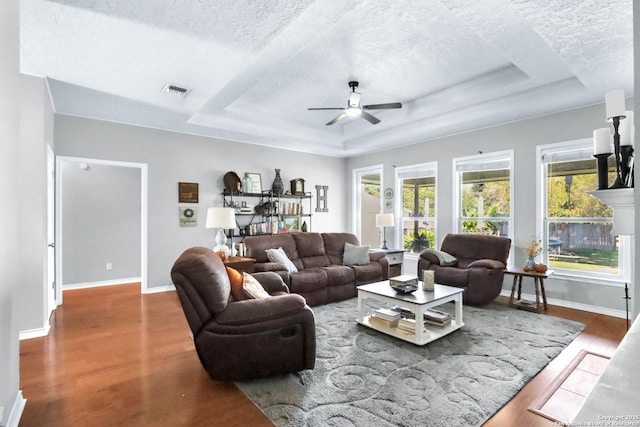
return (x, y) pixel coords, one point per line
(355, 109)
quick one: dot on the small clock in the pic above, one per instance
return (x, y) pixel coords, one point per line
(297, 186)
(388, 193)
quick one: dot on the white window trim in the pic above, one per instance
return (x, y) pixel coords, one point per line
(569, 275)
(485, 157)
(428, 166)
(357, 196)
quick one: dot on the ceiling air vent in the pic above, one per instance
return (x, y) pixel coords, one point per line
(175, 90)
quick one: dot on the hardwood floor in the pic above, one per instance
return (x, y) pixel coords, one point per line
(115, 357)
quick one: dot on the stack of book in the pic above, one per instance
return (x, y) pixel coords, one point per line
(408, 326)
(385, 317)
(437, 317)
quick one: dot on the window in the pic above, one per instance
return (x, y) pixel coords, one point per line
(416, 189)
(576, 227)
(483, 203)
(368, 203)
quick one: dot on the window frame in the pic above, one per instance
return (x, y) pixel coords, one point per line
(495, 156)
(428, 168)
(624, 254)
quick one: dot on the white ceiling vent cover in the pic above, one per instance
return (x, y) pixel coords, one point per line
(175, 90)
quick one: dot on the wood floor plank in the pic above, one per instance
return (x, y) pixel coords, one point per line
(115, 357)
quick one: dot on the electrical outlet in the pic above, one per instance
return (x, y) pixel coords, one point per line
(109, 266)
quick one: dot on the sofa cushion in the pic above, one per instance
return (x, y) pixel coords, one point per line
(334, 245)
(367, 273)
(308, 280)
(311, 250)
(252, 288)
(258, 245)
(451, 275)
(355, 255)
(280, 257)
(236, 279)
(339, 275)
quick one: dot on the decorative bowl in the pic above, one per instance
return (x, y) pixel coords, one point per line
(405, 289)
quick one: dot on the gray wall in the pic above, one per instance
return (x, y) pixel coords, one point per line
(173, 158)
(11, 263)
(101, 208)
(522, 137)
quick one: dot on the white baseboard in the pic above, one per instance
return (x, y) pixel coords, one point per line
(16, 411)
(101, 283)
(35, 333)
(574, 305)
(157, 289)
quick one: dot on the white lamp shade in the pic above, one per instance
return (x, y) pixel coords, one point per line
(224, 218)
(384, 220)
(614, 102)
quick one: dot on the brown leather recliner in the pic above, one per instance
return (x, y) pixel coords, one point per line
(237, 340)
(478, 269)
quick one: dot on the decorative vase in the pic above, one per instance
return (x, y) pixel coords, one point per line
(304, 227)
(530, 264)
(278, 186)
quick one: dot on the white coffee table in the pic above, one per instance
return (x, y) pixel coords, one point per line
(417, 302)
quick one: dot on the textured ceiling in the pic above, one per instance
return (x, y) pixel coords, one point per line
(253, 67)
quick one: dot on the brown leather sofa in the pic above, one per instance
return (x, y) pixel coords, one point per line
(237, 340)
(478, 269)
(321, 278)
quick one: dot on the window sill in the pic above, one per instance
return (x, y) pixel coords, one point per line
(572, 277)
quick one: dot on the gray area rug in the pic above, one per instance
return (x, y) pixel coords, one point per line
(365, 378)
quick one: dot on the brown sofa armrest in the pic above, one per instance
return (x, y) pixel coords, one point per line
(430, 257)
(487, 263)
(376, 256)
(261, 310)
(271, 282)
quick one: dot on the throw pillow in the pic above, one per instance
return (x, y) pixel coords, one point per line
(279, 256)
(252, 288)
(355, 255)
(444, 258)
(236, 279)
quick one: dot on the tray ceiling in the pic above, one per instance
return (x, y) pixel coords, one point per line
(253, 67)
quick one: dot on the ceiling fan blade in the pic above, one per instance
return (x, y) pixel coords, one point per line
(382, 106)
(368, 117)
(329, 108)
(337, 119)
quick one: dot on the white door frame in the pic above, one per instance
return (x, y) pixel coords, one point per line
(143, 216)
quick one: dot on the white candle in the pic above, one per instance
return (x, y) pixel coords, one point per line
(626, 129)
(614, 101)
(601, 141)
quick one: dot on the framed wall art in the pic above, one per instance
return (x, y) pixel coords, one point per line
(187, 192)
(291, 223)
(188, 216)
(256, 182)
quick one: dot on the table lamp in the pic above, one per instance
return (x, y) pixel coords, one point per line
(222, 219)
(384, 220)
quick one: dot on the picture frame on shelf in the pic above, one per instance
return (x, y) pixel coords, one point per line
(292, 223)
(256, 181)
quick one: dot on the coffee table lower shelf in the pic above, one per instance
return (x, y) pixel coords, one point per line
(434, 333)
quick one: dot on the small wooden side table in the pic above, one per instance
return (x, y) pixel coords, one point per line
(538, 281)
(242, 264)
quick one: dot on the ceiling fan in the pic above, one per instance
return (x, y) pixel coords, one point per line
(354, 109)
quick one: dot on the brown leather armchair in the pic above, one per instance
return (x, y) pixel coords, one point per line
(237, 340)
(478, 269)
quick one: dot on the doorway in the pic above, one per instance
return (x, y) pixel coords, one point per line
(91, 209)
